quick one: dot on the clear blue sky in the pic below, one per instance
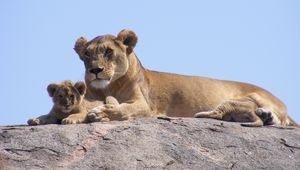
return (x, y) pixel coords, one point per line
(250, 41)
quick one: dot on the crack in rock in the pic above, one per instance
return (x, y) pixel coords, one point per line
(16, 150)
(284, 142)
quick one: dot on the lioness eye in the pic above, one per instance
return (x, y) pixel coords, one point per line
(108, 52)
(72, 96)
(87, 53)
(60, 96)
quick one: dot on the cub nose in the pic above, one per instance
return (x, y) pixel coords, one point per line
(96, 70)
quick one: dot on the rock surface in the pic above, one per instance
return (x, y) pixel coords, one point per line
(150, 143)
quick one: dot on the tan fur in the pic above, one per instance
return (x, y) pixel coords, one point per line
(142, 92)
(70, 106)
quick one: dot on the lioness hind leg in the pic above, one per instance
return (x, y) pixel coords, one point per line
(211, 114)
(265, 115)
(232, 110)
(235, 110)
(256, 122)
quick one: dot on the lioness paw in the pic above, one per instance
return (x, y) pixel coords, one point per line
(97, 114)
(70, 121)
(111, 100)
(111, 109)
(96, 110)
(33, 122)
(100, 117)
(265, 115)
(93, 117)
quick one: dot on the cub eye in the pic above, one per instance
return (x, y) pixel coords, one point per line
(108, 52)
(72, 96)
(60, 96)
(87, 53)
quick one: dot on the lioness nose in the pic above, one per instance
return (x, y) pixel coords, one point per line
(96, 70)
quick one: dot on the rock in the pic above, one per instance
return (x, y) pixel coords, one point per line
(150, 143)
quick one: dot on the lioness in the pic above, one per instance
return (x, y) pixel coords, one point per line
(69, 107)
(112, 69)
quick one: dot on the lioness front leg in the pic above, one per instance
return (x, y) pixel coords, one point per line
(127, 111)
(97, 114)
(74, 119)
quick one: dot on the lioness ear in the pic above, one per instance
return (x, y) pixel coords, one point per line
(52, 89)
(79, 45)
(81, 87)
(128, 38)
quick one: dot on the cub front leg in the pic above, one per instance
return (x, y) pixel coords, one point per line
(74, 119)
(43, 120)
(34, 122)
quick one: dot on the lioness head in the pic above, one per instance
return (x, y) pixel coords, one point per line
(105, 57)
(66, 95)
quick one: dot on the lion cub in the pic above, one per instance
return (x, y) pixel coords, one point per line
(70, 106)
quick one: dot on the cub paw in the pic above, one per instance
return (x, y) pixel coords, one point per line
(33, 122)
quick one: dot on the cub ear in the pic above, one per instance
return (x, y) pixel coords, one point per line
(52, 89)
(81, 87)
(79, 45)
(128, 38)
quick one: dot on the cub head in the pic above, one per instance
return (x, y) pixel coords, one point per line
(66, 95)
(106, 57)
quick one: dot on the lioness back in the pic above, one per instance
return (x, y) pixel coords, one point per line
(174, 94)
